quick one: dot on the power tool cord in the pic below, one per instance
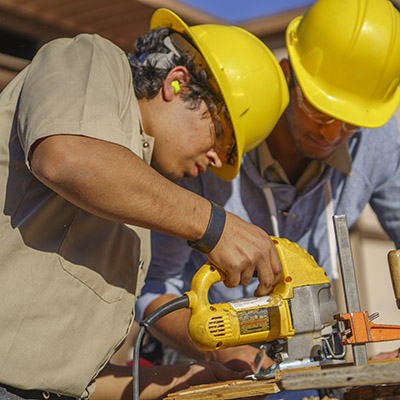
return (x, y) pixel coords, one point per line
(173, 305)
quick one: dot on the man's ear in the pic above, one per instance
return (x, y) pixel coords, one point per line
(177, 78)
(285, 65)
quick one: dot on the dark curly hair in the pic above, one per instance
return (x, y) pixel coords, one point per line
(148, 78)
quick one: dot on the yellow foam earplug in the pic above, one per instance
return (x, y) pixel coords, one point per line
(176, 86)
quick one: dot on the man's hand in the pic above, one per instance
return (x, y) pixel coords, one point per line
(240, 358)
(387, 355)
(115, 382)
(213, 371)
(244, 248)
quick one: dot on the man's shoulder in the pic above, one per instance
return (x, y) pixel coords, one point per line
(385, 138)
(98, 40)
(376, 151)
(83, 43)
(389, 131)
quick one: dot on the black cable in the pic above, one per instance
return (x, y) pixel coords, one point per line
(173, 305)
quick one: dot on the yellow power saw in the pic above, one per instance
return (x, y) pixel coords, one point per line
(296, 319)
(300, 304)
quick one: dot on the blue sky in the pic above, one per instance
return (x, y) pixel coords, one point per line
(238, 11)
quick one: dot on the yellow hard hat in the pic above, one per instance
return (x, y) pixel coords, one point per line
(346, 57)
(247, 75)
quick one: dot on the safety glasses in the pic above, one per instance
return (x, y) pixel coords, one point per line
(223, 138)
(315, 115)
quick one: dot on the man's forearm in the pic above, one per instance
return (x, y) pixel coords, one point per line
(115, 382)
(110, 181)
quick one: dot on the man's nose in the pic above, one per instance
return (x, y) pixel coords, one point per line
(332, 131)
(214, 158)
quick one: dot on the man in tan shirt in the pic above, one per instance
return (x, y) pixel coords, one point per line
(91, 145)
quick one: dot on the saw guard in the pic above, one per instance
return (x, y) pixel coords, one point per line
(299, 268)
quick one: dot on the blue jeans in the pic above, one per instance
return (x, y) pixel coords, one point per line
(293, 394)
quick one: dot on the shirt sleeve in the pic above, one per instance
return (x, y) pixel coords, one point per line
(75, 86)
(385, 197)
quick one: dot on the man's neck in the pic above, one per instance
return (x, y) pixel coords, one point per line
(281, 146)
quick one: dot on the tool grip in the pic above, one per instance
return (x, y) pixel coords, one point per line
(204, 278)
(394, 267)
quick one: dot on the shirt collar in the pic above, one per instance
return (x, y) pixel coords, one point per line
(339, 159)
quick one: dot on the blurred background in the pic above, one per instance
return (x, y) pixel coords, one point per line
(25, 25)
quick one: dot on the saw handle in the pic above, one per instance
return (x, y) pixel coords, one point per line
(394, 267)
(204, 278)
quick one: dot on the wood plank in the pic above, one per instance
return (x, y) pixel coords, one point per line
(371, 374)
(237, 389)
(335, 375)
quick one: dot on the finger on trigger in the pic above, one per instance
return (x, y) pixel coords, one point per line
(263, 289)
(232, 280)
(246, 277)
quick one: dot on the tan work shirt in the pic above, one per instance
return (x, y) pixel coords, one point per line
(68, 279)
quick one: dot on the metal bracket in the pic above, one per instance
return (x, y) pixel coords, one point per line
(349, 280)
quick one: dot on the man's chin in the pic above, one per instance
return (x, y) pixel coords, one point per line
(174, 177)
(171, 176)
(316, 155)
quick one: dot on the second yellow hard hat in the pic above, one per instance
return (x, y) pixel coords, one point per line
(346, 57)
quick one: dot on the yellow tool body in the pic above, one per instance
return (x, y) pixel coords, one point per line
(256, 319)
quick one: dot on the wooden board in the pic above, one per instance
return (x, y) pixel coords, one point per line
(237, 389)
(376, 373)
(339, 377)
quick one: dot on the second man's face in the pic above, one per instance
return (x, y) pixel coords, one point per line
(315, 134)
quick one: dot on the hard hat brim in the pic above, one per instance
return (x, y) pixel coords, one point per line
(341, 105)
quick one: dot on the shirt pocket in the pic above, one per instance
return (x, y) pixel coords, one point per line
(103, 255)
